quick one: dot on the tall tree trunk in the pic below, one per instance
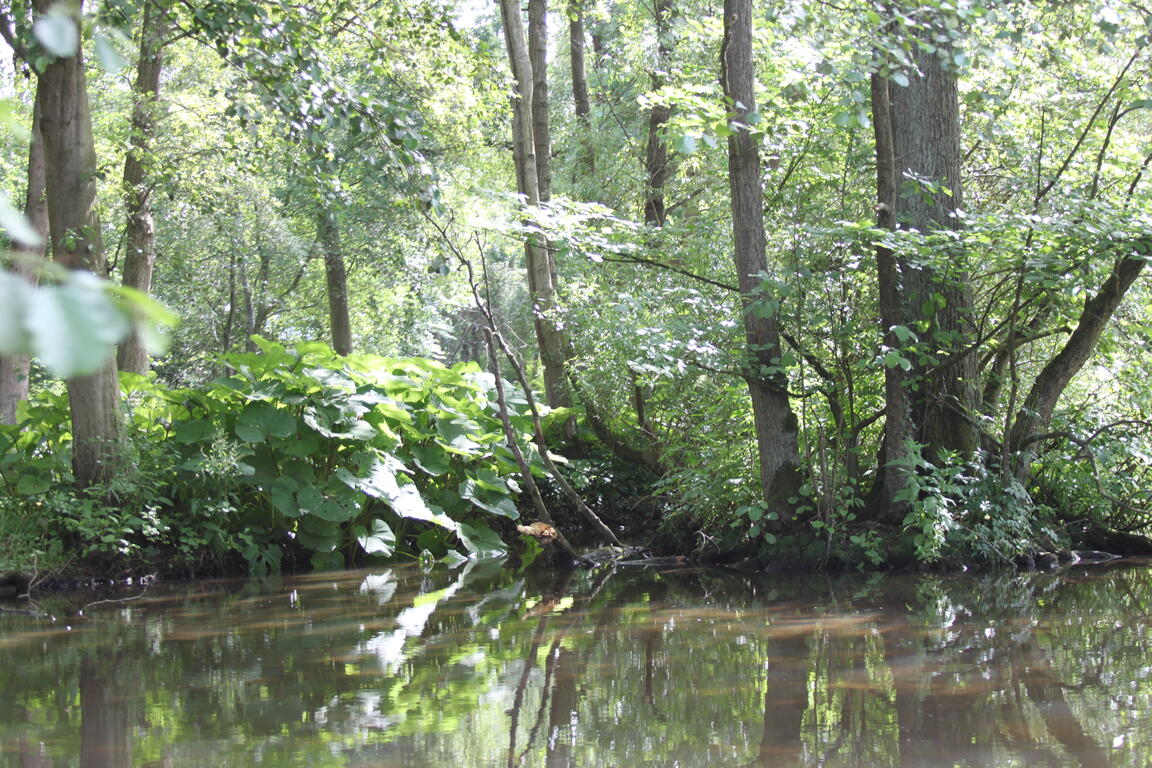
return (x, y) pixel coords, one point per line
(337, 278)
(70, 176)
(541, 130)
(892, 476)
(14, 370)
(656, 153)
(549, 337)
(925, 118)
(140, 256)
(776, 425)
(580, 101)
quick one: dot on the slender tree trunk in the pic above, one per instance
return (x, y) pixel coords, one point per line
(70, 175)
(776, 425)
(140, 256)
(892, 477)
(541, 129)
(580, 100)
(14, 370)
(1035, 415)
(656, 153)
(337, 277)
(925, 119)
(549, 337)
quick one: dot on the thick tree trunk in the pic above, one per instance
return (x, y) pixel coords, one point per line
(14, 370)
(70, 174)
(549, 337)
(580, 101)
(1035, 415)
(140, 255)
(337, 279)
(776, 425)
(656, 152)
(893, 474)
(925, 119)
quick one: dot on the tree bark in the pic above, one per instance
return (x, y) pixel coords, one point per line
(893, 473)
(656, 152)
(775, 423)
(337, 280)
(541, 287)
(925, 119)
(14, 370)
(70, 176)
(140, 255)
(541, 130)
(1035, 414)
(580, 101)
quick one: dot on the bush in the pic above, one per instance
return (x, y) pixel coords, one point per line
(298, 450)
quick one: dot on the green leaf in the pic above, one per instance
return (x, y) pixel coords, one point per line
(282, 493)
(30, 485)
(305, 445)
(318, 535)
(57, 32)
(686, 144)
(196, 431)
(899, 78)
(502, 506)
(16, 225)
(332, 508)
(14, 295)
(453, 558)
(111, 60)
(481, 541)
(893, 358)
(431, 459)
(259, 421)
(74, 326)
(376, 539)
(904, 333)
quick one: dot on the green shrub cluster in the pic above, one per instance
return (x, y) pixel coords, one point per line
(297, 451)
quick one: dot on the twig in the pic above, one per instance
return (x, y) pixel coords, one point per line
(115, 600)
(514, 444)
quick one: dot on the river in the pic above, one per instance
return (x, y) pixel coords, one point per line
(482, 666)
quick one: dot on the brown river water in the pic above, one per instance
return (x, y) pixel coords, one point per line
(481, 666)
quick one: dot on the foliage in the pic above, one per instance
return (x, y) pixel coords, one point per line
(962, 512)
(299, 450)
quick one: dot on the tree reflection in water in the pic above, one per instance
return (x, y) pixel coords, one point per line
(482, 666)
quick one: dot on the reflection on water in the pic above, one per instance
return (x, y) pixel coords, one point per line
(484, 667)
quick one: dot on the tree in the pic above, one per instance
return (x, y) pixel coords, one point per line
(656, 153)
(776, 425)
(937, 300)
(541, 273)
(76, 243)
(140, 235)
(14, 370)
(581, 105)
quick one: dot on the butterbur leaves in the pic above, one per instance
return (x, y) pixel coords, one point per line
(376, 538)
(259, 421)
(341, 448)
(481, 541)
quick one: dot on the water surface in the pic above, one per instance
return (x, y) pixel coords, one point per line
(480, 666)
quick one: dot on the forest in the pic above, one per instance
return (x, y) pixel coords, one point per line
(793, 285)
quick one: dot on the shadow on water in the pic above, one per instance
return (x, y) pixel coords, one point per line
(485, 667)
